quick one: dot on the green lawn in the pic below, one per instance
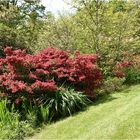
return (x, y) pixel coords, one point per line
(113, 117)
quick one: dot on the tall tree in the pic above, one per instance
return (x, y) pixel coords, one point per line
(20, 22)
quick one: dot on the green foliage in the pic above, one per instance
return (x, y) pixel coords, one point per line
(5, 114)
(20, 23)
(111, 85)
(10, 125)
(132, 76)
(44, 111)
(106, 27)
(65, 103)
(35, 114)
(60, 104)
(8, 121)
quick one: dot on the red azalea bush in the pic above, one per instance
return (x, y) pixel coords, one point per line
(121, 68)
(129, 60)
(32, 77)
(128, 68)
(80, 71)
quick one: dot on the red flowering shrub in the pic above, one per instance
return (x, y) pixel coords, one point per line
(129, 61)
(33, 76)
(84, 73)
(80, 71)
(121, 68)
(130, 69)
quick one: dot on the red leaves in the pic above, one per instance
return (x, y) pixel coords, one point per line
(17, 86)
(119, 74)
(124, 64)
(120, 69)
(45, 86)
(85, 73)
(24, 73)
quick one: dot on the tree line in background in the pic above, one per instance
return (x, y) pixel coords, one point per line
(97, 26)
(107, 28)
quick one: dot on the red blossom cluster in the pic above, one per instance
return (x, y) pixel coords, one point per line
(120, 69)
(33, 76)
(124, 64)
(80, 70)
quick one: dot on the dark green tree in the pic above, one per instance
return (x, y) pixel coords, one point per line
(20, 23)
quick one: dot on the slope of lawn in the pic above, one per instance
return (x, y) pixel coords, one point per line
(114, 117)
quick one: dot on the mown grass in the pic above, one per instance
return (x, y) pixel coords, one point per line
(112, 117)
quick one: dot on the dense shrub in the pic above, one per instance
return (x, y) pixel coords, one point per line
(33, 83)
(10, 125)
(80, 71)
(110, 85)
(33, 77)
(130, 69)
(132, 76)
(35, 114)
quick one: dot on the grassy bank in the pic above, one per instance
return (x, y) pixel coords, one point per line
(112, 117)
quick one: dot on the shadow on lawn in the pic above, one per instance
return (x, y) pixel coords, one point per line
(103, 99)
(97, 101)
(109, 97)
(100, 100)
